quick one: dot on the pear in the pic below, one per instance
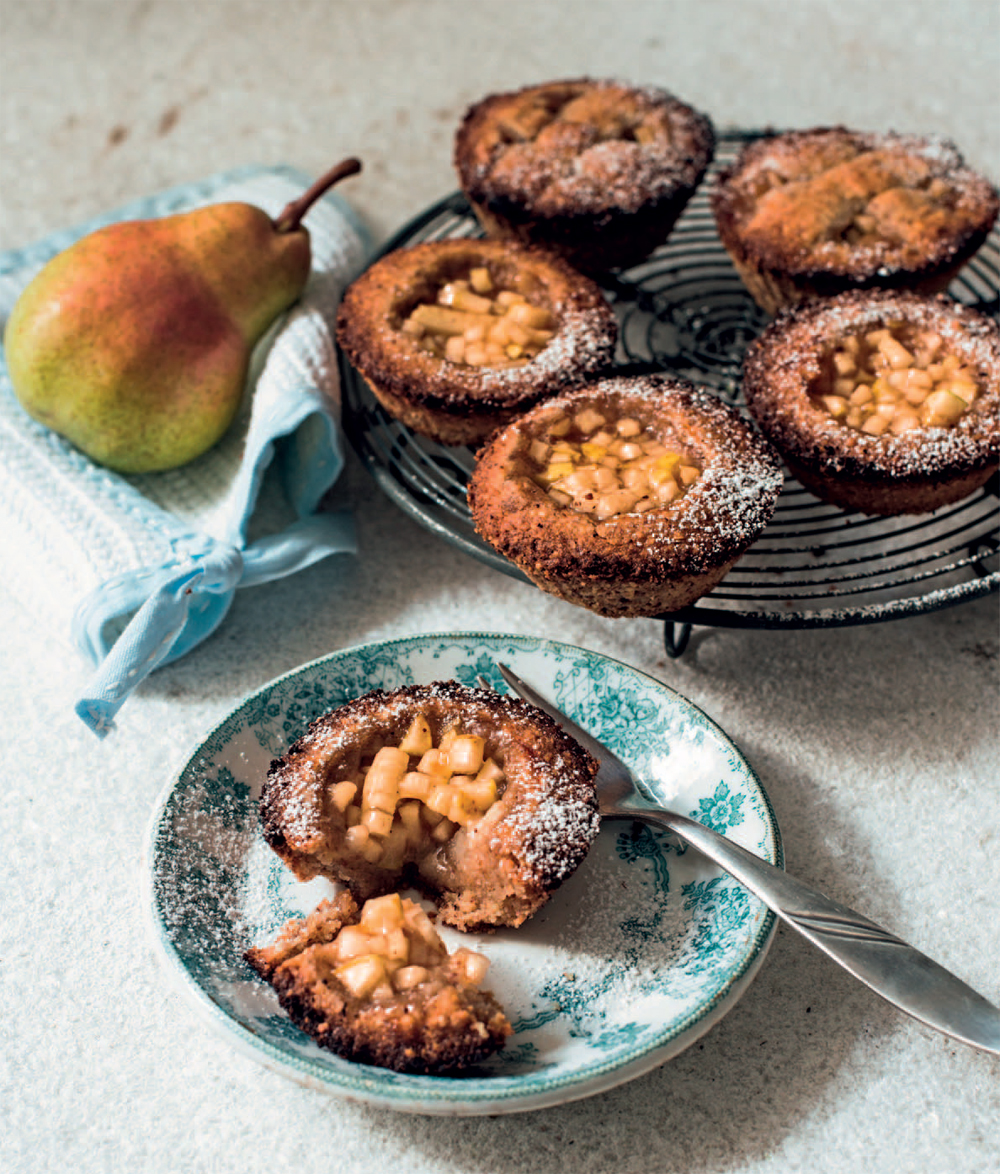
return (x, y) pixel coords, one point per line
(134, 343)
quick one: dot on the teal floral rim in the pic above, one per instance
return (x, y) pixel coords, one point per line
(639, 953)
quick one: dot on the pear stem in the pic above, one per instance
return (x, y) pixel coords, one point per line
(291, 215)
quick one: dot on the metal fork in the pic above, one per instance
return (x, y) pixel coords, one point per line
(899, 973)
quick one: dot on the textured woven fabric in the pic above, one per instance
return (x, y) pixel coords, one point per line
(137, 570)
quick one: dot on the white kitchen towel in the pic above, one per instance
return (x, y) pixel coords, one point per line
(137, 570)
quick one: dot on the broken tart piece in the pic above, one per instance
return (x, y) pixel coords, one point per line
(378, 986)
(479, 800)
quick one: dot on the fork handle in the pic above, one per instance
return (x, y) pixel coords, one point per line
(900, 974)
(893, 969)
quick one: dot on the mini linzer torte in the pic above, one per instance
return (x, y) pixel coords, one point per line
(477, 799)
(818, 212)
(883, 402)
(633, 496)
(378, 986)
(455, 337)
(597, 170)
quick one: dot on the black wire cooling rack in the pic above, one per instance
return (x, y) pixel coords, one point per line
(685, 311)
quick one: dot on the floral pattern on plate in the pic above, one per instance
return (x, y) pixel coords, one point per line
(637, 955)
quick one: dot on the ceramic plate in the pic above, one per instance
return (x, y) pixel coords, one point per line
(636, 956)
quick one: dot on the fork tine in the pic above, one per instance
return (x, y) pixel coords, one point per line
(527, 693)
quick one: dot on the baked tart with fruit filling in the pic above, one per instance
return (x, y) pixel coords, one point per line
(455, 337)
(631, 497)
(599, 171)
(822, 211)
(887, 403)
(477, 799)
(378, 986)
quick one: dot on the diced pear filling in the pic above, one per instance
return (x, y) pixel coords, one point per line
(474, 323)
(393, 948)
(408, 799)
(893, 380)
(606, 468)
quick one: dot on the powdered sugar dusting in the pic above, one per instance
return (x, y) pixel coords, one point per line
(587, 163)
(580, 347)
(544, 828)
(730, 503)
(781, 365)
(548, 808)
(374, 308)
(795, 202)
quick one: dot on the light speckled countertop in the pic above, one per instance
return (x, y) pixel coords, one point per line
(877, 745)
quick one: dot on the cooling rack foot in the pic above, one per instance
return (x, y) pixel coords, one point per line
(675, 638)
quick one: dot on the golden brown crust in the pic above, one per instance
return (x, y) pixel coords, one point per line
(636, 564)
(453, 403)
(498, 871)
(821, 211)
(443, 1025)
(597, 170)
(915, 472)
